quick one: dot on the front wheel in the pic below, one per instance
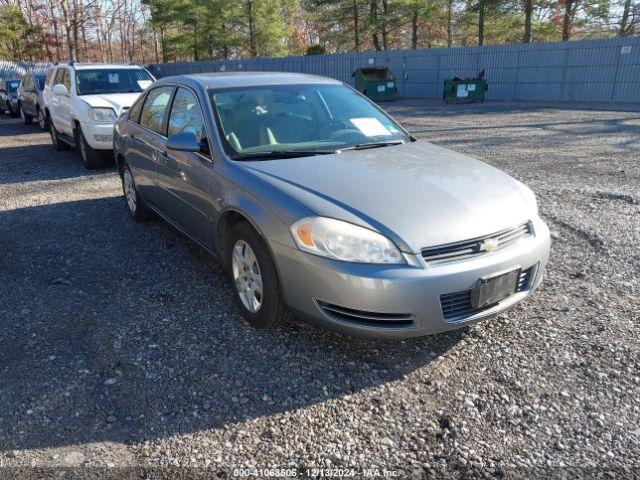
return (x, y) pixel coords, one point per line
(24, 117)
(254, 279)
(58, 144)
(91, 158)
(13, 112)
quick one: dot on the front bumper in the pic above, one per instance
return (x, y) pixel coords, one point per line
(99, 136)
(309, 281)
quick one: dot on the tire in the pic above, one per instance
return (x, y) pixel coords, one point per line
(91, 158)
(26, 119)
(254, 279)
(12, 112)
(135, 205)
(42, 120)
(58, 144)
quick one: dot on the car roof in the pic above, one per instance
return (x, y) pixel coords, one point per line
(96, 66)
(248, 79)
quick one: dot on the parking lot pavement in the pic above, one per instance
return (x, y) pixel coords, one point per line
(120, 344)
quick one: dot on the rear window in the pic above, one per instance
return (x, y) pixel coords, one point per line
(12, 85)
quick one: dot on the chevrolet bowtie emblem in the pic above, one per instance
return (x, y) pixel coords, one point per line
(489, 245)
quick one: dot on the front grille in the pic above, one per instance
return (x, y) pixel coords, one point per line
(360, 317)
(476, 246)
(458, 304)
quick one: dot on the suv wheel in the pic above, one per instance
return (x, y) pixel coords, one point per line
(58, 144)
(91, 158)
(254, 278)
(12, 112)
(26, 119)
(42, 119)
(137, 208)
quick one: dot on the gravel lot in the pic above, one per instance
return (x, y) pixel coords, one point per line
(120, 344)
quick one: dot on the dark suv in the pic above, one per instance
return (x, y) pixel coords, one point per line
(9, 96)
(30, 99)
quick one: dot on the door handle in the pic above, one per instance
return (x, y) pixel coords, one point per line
(162, 157)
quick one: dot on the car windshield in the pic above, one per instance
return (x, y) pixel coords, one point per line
(12, 85)
(40, 80)
(101, 81)
(306, 118)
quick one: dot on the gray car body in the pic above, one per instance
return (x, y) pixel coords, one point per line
(31, 99)
(419, 195)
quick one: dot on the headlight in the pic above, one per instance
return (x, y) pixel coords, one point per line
(344, 241)
(103, 115)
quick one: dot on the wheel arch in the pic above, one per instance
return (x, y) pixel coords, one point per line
(257, 216)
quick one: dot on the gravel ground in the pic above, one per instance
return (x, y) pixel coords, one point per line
(121, 346)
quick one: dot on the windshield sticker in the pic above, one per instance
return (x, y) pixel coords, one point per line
(144, 83)
(113, 78)
(371, 127)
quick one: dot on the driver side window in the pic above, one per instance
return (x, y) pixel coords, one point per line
(186, 115)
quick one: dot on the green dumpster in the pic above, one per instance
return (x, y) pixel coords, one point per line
(377, 83)
(458, 90)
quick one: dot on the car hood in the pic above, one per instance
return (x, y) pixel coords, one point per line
(417, 194)
(117, 101)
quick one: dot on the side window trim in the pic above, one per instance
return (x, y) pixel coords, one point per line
(167, 112)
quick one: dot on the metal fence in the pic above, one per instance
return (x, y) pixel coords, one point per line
(583, 71)
(15, 70)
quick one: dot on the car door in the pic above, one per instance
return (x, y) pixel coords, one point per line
(186, 178)
(66, 103)
(58, 106)
(29, 95)
(146, 135)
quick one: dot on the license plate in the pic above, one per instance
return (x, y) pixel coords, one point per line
(491, 290)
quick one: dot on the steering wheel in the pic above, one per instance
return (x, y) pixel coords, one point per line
(332, 126)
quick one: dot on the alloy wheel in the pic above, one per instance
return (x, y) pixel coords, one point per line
(129, 191)
(247, 276)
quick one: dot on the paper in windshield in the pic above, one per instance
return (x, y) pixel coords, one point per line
(371, 127)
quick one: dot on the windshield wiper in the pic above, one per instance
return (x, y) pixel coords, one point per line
(281, 154)
(365, 146)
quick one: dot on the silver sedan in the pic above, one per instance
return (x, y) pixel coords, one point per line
(322, 206)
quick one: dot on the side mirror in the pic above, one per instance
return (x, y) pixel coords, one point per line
(184, 142)
(60, 90)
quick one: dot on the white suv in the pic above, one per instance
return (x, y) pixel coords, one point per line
(82, 102)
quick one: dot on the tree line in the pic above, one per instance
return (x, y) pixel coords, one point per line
(169, 30)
